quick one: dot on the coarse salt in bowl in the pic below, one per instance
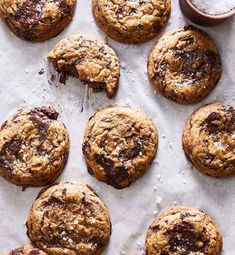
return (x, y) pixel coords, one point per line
(208, 12)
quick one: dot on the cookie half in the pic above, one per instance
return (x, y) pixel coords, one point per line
(26, 250)
(209, 139)
(119, 145)
(34, 147)
(181, 231)
(135, 21)
(184, 65)
(37, 20)
(89, 59)
(69, 218)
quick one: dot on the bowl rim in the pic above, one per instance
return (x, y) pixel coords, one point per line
(212, 16)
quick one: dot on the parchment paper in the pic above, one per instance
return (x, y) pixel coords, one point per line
(171, 179)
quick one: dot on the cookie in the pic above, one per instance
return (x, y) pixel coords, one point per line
(89, 59)
(209, 139)
(27, 250)
(119, 145)
(184, 65)
(69, 219)
(34, 147)
(183, 231)
(37, 20)
(135, 21)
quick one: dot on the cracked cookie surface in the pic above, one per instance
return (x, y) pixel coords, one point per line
(184, 65)
(37, 20)
(119, 145)
(69, 218)
(89, 59)
(135, 21)
(209, 139)
(183, 231)
(34, 147)
(26, 250)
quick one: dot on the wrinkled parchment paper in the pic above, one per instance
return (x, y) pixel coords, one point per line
(171, 179)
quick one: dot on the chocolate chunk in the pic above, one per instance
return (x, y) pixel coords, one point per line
(49, 112)
(9, 153)
(212, 122)
(62, 78)
(115, 175)
(4, 125)
(29, 14)
(183, 238)
(41, 116)
(34, 252)
(164, 252)
(185, 215)
(53, 201)
(155, 229)
(65, 8)
(131, 153)
(18, 251)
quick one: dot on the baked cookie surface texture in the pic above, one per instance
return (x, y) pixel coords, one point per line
(209, 139)
(34, 147)
(135, 21)
(119, 145)
(183, 231)
(26, 250)
(184, 65)
(37, 20)
(69, 218)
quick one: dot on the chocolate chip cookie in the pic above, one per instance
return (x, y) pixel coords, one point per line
(37, 20)
(183, 231)
(27, 250)
(89, 59)
(34, 147)
(184, 65)
(69, 218)
(135, 21)
(119, 145)
(209, 139)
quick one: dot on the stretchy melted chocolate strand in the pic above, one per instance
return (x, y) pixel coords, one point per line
(90, 60)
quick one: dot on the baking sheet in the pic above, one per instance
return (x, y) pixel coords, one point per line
(170, 181)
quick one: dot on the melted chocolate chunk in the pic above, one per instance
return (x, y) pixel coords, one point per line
(29, 14)
(196, 62)
(18, 251)
(212, 123)
(185, 215)
(41, 117)
(183, 238)
(164, 252)
(155, 229)
(34, 252)
(9, 153)
(115, 175)
(131, 153)
(4, 125)
(53, 201)
(64, 8)
(49, 112)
